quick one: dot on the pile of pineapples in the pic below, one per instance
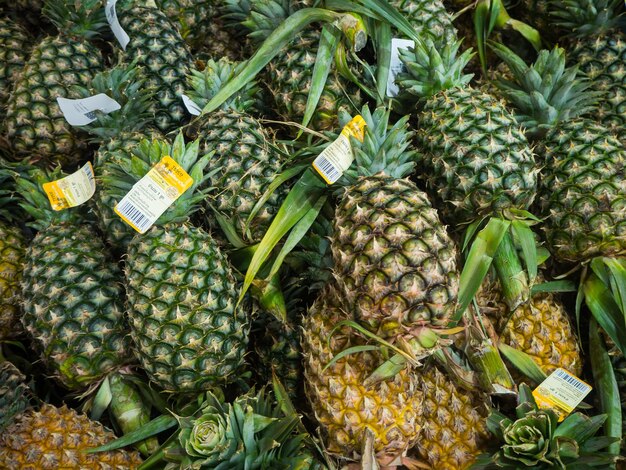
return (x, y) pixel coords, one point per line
(396, 318)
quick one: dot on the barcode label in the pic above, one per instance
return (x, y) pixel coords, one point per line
(83, 111)
(396, 66)
(115, 25)
(562, 392)
(73, 190)
(153, 194)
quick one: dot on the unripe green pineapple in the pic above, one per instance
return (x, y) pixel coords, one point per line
(156, 44)
(192, 17)
(188, 330)
(72, 295)
(247, 160)
(35, 125)
(428, 17)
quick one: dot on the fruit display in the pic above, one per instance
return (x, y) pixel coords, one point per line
(312, 234)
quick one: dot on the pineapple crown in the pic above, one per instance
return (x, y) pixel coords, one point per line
(29, 181)
(430, 69)
(205, 84)
(126, 85)
(234, 13)
(83, 18)
(265, 16)
(125, 172)
(545, 92)
(385, 149)
(582, 18)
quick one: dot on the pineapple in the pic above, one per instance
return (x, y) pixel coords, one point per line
(189, 334)
(12, 248)
(156, 44)
(34, 122)
(54, 438)
(222, 43)
(72, 300)
(248, 162)
(346, 407)
(427, 16)
(541, 328)
(14, 44)
(476, 160)
(116, 133)
(15, 396)
(192, 17)
(454, 422)
(582, 186)
(598, 47)
(393, 259)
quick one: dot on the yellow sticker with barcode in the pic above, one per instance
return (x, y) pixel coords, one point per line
(561, 392)
(337, 157)
(72, 190)
(153, 194)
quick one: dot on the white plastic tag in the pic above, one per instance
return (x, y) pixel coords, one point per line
(561, 392)
(396, 66)
(73, 190)
(192, 107)
(81, 112)
(115, 25)
(153, 194)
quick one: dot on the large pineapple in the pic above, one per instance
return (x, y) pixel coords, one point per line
(246, 159)
(14, 45)
(393, 259)
(52, 438)
(156, 44)
(541, 328)
(598, 47)
(474, 156)
(346, 407)
(188, 330)
(35, 125)
(72, 295)
(582, 188)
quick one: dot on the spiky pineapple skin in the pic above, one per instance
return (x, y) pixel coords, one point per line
(427, 16)
(14, 45)
(454, 422)
(34, 122)
(476, 159)
(73, 304)
(188, 333)
(12, 248)
(582, 191)
(192, 17)
(344, 406)
(14, 393)
(157, 45)
(248, 165)
(394, 262)
(54, 438)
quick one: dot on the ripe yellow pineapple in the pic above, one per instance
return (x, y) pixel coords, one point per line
(54, 438)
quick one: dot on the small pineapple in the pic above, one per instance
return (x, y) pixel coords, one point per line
(73, 301)
(189, 334)
(156, 45)
(52, 438)
(35, 125)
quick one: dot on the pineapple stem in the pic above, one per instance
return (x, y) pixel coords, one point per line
(511, 273)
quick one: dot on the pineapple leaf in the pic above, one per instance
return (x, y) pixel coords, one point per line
(102, 400)
(347, 352)
(523, 362)
(154, 427)
(529, 248)
(553, 286)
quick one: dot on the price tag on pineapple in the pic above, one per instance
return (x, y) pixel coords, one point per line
(396, 66)
(83, 111)
(337, 157)
(73, 190)
(153, 194)
(561, 392)
(115, 25)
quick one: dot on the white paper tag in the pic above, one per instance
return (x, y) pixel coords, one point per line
(81, 112)
(562, 392)
(192, 107)
(153, 194)
(396, 66)
(115, 25)
(73, 190)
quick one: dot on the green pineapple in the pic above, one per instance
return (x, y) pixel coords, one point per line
(247, 160)
(188, 330)
(156, 44)
(598, 47)
(192, 17)
(475, 158)
(116, 133)
(72, 300)
(14, 45)
(35, 125)
(15, 396)
(427, 16)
